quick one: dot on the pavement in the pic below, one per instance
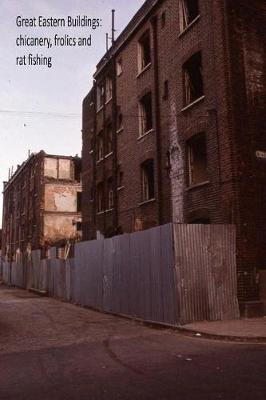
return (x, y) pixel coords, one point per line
(242, 330)
(51, 350)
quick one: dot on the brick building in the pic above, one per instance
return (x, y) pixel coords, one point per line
(42, 203)
(174, 127)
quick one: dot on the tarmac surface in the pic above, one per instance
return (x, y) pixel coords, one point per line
(53, 350)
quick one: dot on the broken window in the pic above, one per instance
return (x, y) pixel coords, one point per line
(147, 177)
(110, 194)
(100, 146)
(145, 114)
(193, 81)
(109, 88)
(197, 160)
(100, 198)
(144, 53)
(109, 139)
(188, 11)
(100, 96)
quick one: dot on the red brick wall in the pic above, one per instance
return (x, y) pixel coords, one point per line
(229, 35)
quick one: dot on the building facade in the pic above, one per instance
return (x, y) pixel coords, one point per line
(174, 127)
(41, 204)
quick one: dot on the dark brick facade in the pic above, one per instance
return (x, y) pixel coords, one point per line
(223, 47)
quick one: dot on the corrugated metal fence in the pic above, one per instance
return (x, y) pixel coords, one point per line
(173, 274)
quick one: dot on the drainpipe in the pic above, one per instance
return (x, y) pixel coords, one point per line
(157, 117)
(114, 144)
(94, 209)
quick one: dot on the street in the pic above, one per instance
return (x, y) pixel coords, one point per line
(53, 350)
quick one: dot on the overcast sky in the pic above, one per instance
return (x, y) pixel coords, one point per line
(40, 107)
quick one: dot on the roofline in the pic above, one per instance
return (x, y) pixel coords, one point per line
(117, 46)
(19, 170)
(25, 163)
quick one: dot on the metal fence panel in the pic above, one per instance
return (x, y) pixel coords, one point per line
(206, 272)
(172, 273)
(88, 276)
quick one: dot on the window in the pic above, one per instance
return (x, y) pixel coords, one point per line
(197, 160)
(193, 82)
(79, 226)
(77, 170)
(165, 90)
(79, 201)
(120, 177)
(145, 114)
(163, 19)
(109, 88)
(100, 96)
(110, 194)
(147, 172)
(120, 122)
(109, 139)
(144, 52)
(99, 145)
(119, 67)
(100, 198)
(188, 11)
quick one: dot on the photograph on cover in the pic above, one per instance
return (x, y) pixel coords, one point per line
(133, 203)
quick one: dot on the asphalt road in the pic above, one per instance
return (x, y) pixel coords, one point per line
(52, 350)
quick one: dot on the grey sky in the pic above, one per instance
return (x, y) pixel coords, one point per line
(58, 90)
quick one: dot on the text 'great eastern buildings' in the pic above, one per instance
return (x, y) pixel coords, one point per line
(174, 126)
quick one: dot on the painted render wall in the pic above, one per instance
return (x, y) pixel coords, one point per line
(61, 213)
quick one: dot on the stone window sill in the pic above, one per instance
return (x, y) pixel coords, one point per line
(192, 23)
(144, 70)
(143, 203)
(190, 105)
(198, 185)
(145, 134)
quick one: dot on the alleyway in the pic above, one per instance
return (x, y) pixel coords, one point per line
(57, 351)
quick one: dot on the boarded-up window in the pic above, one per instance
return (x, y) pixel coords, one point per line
(188, 11)
(145, 114)
(144, 51)
(197, 160)
(147, 177)
(193, 81)
(64, 169)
